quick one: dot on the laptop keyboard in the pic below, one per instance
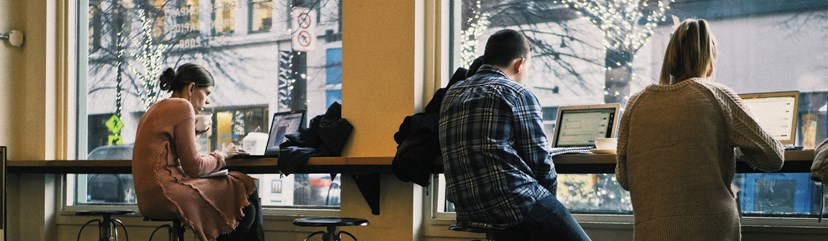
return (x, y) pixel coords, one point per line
(566, 150)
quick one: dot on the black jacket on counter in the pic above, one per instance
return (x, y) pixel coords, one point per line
(326, 136)
(418, 144)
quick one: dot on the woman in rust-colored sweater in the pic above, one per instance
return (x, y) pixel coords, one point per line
(166, 166)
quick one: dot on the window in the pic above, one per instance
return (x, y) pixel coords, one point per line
(224, 17)
(583, 57)
(125, 45)
(261, 15)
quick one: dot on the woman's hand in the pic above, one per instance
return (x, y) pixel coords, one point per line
(232, 150)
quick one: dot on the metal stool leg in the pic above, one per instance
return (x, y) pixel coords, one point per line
(84, 226)
(159, 228)
(105, 228)
(339, 235)
(118, 221)
(177, 231)
(331, 235)
(315, 233)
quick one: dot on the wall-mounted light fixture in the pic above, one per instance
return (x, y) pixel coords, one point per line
(14, 37)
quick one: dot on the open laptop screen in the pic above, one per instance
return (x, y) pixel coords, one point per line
(579, 126)
(775, 113)
(284, 123)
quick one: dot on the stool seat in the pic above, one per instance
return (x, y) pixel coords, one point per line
(325, 222)
(489, 232)
(456, 227)
(330, 223)
(104, 212)
(148, 219)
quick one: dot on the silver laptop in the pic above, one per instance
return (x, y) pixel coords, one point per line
(282, 124)
(578, 126)
(776, 113)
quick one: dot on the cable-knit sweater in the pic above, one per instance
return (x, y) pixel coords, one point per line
(166, 166)
(676, 157)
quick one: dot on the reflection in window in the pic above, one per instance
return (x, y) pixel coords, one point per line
(131, 44)
(261, 15)
(583, 56)
(300, 190)
(224, 13)
(777, 194)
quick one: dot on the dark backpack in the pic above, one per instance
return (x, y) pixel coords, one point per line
(418, 147)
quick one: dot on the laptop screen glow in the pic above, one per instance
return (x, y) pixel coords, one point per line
(283, 124)
(581, 127)
(775, 115)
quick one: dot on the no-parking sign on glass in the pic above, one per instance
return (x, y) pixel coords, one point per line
(303, 29)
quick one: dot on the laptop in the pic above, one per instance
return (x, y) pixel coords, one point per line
(578, 126)
(283, 124)
(776, 113)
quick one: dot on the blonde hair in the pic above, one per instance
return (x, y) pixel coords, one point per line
(691, 50)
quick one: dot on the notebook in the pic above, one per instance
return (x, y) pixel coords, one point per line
(578, 126)
(283, 124)
(776, 113)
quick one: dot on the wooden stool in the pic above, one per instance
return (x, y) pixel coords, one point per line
(331, 223)
(107, 225)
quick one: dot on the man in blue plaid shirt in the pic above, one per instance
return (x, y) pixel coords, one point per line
(499, 173)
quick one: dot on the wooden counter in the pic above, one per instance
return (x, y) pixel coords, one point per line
(366, 170)
(795, 161)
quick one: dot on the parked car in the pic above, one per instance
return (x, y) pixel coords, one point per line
(110, 188)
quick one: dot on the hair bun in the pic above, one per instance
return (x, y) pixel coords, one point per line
(167, 78)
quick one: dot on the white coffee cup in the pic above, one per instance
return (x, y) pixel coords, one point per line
(203, 122)
(606, 143)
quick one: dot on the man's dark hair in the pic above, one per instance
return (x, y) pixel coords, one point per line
(505, 46)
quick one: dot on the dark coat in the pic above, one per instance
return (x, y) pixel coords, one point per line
(326, 136)
(418, 151)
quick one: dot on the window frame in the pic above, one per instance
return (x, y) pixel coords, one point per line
(251, 9)
(66, 183)
(431, 202)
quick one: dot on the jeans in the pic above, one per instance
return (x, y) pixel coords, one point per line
(549, 220)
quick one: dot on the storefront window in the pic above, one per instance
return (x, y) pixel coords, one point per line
(127, 44)
(261, 15)
(596, 52)
(224, 17)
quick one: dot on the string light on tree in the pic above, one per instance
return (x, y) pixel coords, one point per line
(478, 23)
(626, 26)
(149, 55)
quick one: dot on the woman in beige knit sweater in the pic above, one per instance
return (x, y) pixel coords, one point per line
(676, 146)
(166, 166)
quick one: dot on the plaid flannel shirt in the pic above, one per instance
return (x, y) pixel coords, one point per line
(495, 154)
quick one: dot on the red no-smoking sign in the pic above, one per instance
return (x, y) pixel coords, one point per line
(303, 30)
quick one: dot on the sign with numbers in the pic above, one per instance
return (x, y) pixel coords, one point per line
(303, 29)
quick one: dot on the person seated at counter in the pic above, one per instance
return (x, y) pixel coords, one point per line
(166, 166)
(499, 173)
(676, 145)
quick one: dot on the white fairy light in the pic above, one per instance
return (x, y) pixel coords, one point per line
(149, 55)
(478, 23)
(618, 19)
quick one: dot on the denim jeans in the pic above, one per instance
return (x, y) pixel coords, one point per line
(549, 220)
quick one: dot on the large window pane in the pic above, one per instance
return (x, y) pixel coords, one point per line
(129, 43)
(594, 52)
(261, 15)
